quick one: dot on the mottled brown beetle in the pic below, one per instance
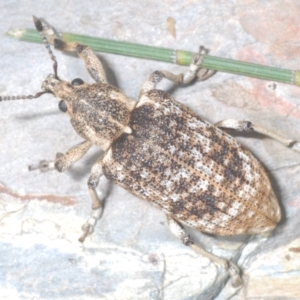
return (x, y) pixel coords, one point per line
(161, 151)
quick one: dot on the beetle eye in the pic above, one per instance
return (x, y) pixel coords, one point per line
(62, 106)
(77, 81)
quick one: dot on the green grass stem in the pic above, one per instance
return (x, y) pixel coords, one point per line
(180, 57)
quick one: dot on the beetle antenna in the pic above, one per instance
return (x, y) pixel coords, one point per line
(39, 27)
(37, 95)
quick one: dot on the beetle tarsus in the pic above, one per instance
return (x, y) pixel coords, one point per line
(43, 166)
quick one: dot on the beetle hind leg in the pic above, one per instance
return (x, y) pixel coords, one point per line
(233, 270)
(247, 126)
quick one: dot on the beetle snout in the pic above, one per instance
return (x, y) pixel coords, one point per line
(49, 83)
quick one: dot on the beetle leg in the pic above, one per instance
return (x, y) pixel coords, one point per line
(246, 126)
(204, 74)
(178, 230)
(184, 78)
(63, 161)
(92, 63)
(97, 198)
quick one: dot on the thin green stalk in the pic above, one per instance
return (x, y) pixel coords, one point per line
(180, 57)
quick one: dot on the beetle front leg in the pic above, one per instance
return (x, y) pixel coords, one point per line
(97, 198)
(247, 126)
(92, 63)
(178, 230)
(63, 161)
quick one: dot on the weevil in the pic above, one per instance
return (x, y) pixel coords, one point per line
(163, 152)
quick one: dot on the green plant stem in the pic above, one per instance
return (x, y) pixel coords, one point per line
(180, 57)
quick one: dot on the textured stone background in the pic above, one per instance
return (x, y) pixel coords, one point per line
(132, 254)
